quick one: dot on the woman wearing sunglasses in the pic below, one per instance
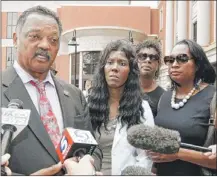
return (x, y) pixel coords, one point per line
(186, 108)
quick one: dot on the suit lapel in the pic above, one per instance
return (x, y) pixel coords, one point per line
(66, 104)
(17, 90)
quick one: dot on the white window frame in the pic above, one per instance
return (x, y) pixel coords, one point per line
(11, 23)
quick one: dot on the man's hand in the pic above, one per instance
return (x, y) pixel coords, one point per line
(52, 170)
(5, 162)
(83, 167)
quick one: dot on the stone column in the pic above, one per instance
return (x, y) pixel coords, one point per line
(203, 22)
(182, 20)
(169, 27)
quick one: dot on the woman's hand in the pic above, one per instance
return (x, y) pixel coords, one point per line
(211, 155)
(159, 158)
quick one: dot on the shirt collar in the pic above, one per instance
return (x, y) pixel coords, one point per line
(26, 77)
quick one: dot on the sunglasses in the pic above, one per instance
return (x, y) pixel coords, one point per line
(144, 56)
(180, 59)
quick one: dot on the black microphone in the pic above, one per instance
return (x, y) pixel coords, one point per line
(75, 143)
(136, 171)
(158, 139)
(14, 120)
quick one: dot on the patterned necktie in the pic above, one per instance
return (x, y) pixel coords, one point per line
(47, 116)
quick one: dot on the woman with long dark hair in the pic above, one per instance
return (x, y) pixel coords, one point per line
(186, 108)
(115, 104)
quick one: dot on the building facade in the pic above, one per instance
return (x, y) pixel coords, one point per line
(97, 23)
(94, 25)
(194, 20)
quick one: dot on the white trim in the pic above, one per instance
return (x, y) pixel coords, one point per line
(70, 69)
(96, 37)
(101, 27)
(7, 43)
(20, 6)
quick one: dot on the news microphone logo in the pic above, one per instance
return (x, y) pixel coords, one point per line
(75, 142)
(63, 145)
(16, 117)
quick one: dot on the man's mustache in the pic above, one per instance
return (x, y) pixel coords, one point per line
(42, 53)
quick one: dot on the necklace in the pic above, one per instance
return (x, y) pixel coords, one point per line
(111, 126)
(184, 101)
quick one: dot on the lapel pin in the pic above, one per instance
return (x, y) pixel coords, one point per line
(66, 93)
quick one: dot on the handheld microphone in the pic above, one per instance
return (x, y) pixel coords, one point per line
(158, 139)
(75, 143)
(14, 120)
(136, 171)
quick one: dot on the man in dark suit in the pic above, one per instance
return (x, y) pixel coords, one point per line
(37, 39)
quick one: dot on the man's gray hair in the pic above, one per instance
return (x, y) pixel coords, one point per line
(37, 10)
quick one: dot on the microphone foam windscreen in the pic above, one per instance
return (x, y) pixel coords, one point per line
(136, 171)
(155, 138)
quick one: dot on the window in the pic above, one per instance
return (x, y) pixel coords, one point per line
(11, 56)
(90, 60)
(161, 18)
(195, 31)
(77, 68)
(11, 23)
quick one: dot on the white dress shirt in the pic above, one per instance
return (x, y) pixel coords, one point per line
(34, 94)
(123, 154)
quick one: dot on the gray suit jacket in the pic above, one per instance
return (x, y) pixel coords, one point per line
(32, 149)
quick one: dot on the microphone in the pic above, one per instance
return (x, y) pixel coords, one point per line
(14, 120)
(75, 143)
(136, 171)
(158, 139)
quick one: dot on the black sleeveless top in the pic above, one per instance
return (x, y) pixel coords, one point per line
(188, 121)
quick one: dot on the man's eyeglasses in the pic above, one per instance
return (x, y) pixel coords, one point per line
(144, 56)
(180, 59)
